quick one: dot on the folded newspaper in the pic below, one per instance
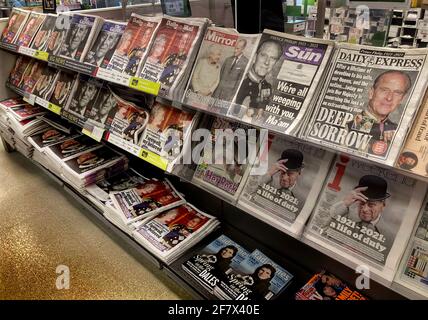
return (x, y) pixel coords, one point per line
(365, 215)
(16, 22)
(369, 101)
(43, 35)
(26, 36)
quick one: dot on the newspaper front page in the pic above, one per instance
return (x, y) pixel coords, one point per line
(369, 100)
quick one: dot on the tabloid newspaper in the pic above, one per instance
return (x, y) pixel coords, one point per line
(35, 20)
(414, 154)
(169, 233)
(277, 94)
(219, 68)
(123, 181)
(256, 278)
(11, 103)
(80, 36)
(413, 271)
(365, 215)
(56, 36)
(325, 286)
(32, 73)
(127, 120)
(105, 44)
(134, 45)
(84, 94)
(47, 138)
(43, 35)
(166, 131)
(27, 111)
(72, 147)
(63, 88)
(104, 107)
(284, 193)
(18, 70)
(173, 47)
(145, 200)
(45, 84)
(16, 22)
(225, 171)
(369, 101)
(210, 264)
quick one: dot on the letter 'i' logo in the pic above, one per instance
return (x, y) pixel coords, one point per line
(340, 171)
(63, 280)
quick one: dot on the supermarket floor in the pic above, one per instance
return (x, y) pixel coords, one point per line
(41, 228)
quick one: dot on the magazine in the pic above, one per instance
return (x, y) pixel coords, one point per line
(210, 264)
(325, 286)
(16, 22)
(284, 191)
(146, 199)
(133, 47)
(63, 88)
(369, 101)
(105, 44)
(364, 215)
(219, 68)
(45, 84)
(256, 278)
(173, 50)
(43, 35)
(225, 171)
(166, 131)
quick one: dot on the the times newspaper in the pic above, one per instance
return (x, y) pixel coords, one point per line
(43, 36)
(80, 36)
(105, 44)
(145, 200)
(413, 271)
(16, 22)
(365, 214)
(134, 44)
(414, 154)
(224, 170)
(166, 131)
(219, 68)
(84, 94)
(30, 29)
(285, 194)
(257, 277)
(325, 286)
(173, 47)
(104, 108)
(369, 100)
(210, 264)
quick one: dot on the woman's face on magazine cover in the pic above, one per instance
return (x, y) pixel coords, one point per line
(227, 253)
(264, 273)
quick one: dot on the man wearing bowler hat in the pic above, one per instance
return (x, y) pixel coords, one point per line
(369, 196)
(284, 173)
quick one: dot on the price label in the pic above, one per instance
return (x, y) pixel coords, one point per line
(124, 144)
(27, 51)
(113, 76)
(94, 132)
(153, 158)
(30, 98)
(144, 85)
(54, 108)
(41, 55)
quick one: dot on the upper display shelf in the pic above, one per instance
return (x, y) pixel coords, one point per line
(355, 99)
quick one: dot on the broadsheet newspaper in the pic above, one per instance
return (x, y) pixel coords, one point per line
(219, 68)
(413, 271)
(414, 154)
(210, 264)
(225, 170)
(84, 94)
(105, 44)
(281, 80)
(134, 45)
(369, 100)
(172, 50)
(257, 277)
(146, 199)
(286, 192)
(365, 214)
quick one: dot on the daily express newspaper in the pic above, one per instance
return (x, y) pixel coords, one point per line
(413, 272)
(173, 46)
(14, 25)
(365, 214)
(134, 44)
(281, 80)
(30, 29)
(219, 68)
(105, 44)
(369, 100)
(18, 70)
(285, 192)
(256, 278)
(225, 171)
(414, 155)
(210, 264)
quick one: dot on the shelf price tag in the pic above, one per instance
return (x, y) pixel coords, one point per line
(144, 85)
(54, 108)
(41, 55)
(27, 51)
(92, 131)
(153, 158)
(29, 98)
(113, 76)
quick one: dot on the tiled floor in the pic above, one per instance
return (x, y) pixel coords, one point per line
(41, 228)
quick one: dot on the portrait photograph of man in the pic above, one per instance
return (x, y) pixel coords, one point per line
(75, 41)
(84, 97)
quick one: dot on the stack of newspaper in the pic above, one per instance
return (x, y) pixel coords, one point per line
(229, 271)
(30, 29)
(170, 233)
(15, 25)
